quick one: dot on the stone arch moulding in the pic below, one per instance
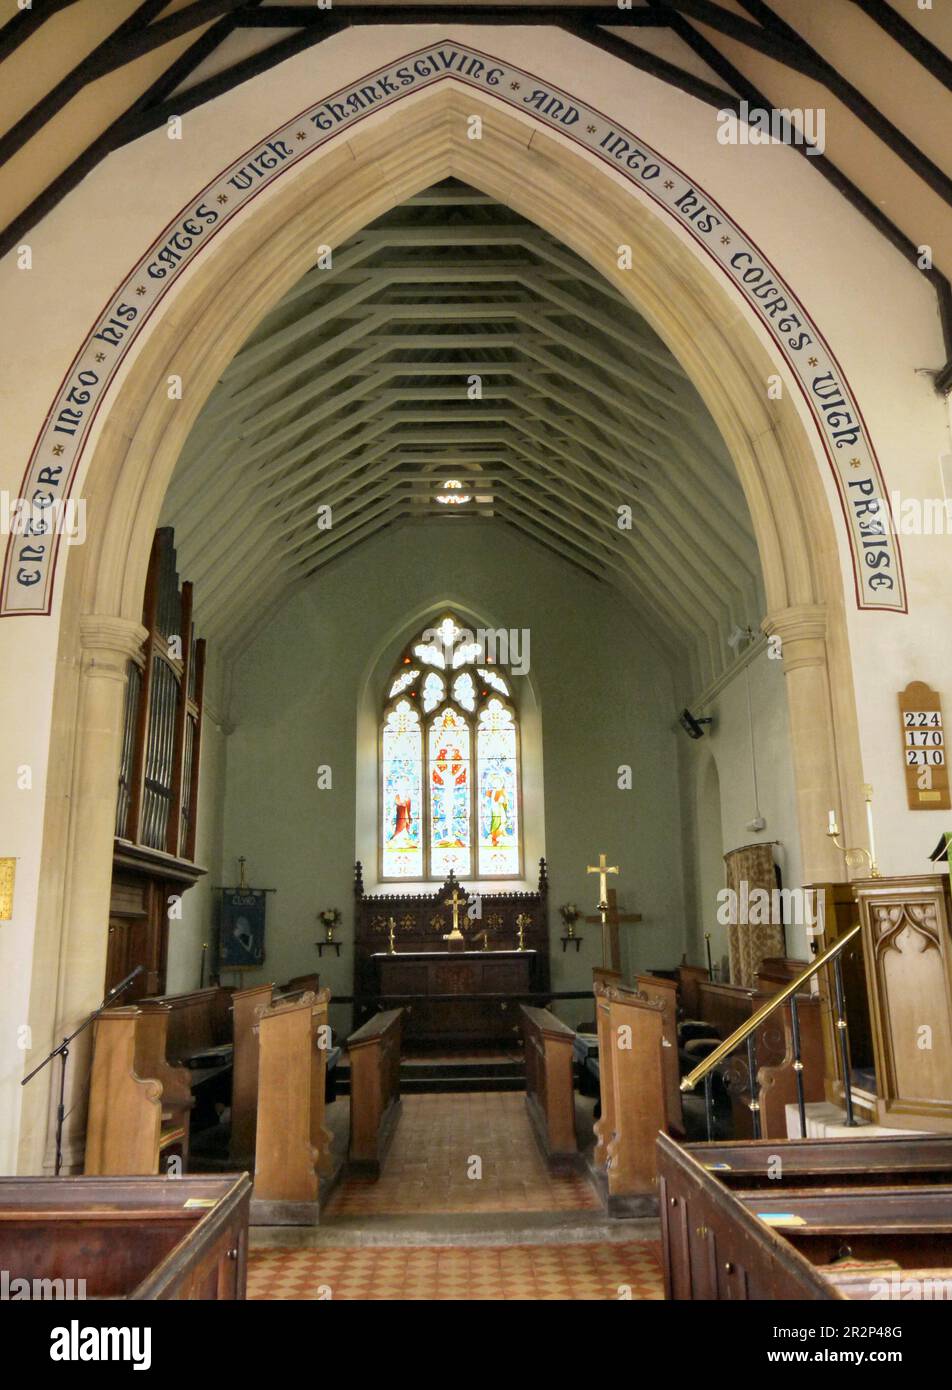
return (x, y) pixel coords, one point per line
(364, 168)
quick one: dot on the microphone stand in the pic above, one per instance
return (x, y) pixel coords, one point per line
(63, 1053)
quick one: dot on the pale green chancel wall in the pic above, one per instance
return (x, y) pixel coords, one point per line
(302, 697)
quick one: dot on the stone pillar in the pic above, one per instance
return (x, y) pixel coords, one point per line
(107, 644)
(802, 632)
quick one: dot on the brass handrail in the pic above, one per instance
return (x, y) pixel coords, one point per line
(740, 1034)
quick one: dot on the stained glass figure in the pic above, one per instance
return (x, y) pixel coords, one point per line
(450, 795)
(498, 812)
(402, 756)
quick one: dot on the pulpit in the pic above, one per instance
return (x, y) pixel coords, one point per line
(501, 976)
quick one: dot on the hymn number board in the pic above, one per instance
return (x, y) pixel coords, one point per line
(923, 747)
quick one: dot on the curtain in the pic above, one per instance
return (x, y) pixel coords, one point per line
(749, 942)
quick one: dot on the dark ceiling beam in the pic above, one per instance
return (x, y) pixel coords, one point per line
(113, 136)
(26, 22)
(647, 62)
(775, 39)
(870, 210)
(134, 37)
(909, 38)
(294, 16)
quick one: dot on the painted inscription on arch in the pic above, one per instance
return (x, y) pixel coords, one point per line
(30, 562)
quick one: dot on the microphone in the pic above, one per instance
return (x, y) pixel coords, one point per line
(124, 984)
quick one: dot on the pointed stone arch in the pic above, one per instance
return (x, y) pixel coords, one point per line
(204, 322)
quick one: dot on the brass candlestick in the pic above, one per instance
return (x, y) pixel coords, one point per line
(855, 857)
(391, 922)
(522, 921)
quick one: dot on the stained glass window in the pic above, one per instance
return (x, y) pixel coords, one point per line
(402, 758)
(450, 775)
(498, 815)
(450, 795)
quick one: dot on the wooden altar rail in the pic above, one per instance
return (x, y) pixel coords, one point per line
(550, 1086)
(129, 1237)
(374, 1055)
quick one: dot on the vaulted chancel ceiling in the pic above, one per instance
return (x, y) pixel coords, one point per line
(454, 363)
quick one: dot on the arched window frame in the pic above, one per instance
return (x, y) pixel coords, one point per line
(413, 694)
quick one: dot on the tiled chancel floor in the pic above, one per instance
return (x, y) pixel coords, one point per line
(431, 1165)
(604, 1271)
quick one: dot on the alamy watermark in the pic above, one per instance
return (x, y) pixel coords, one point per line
(761, 907)
(505, 646)
(774, 125)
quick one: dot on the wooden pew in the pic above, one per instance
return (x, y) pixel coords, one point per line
(665, 992)
(374, 1053)
(292, 1145)
(632, 1082)
(738, 1225)
(245, 1007)
(124, 1129)
(199, 1021)
(550, 1086)
(199, 1038)
(127, 1238)
(151, 1060)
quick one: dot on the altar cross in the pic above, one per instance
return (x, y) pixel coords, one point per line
(611, 919)
(455, 900)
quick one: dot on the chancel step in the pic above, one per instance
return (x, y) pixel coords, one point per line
(421, 1075)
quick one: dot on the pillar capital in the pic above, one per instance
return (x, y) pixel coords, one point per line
(802, 631)
(108, 643)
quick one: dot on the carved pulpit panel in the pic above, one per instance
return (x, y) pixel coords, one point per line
(908, 958)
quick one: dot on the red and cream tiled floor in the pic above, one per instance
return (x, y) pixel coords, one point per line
(629, 1270)
(468, 1151)
(468, 1154)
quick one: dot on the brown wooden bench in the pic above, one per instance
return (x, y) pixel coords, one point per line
(374, 1054)
(632, 1090)
(125, 1130)
(550, 1086)
(292, 1145)
(823, 1232)
(127, 1238)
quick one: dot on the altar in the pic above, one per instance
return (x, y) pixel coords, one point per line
(438, 974)
(465, 988)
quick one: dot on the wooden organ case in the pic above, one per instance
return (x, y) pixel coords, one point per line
(157, 803)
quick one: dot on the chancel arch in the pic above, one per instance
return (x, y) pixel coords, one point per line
(353, 181)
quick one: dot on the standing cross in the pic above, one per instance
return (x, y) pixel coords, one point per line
(611, 919)
(602, 869)
(454, 901)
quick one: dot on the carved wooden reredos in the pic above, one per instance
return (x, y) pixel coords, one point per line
(422, 919)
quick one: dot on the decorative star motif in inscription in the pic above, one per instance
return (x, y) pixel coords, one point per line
(223, 197)
(514, 86)
(57, 449)
(812, 361)
(140, 289)
(725, 241)
(592, 129)
(669, 183)
(100, 357)
(855, 463)
(301, 135)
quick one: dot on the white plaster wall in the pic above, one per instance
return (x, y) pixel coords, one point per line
(877, 312)
(603, 695)
(727, 744)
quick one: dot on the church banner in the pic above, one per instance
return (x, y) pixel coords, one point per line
(31, 552)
